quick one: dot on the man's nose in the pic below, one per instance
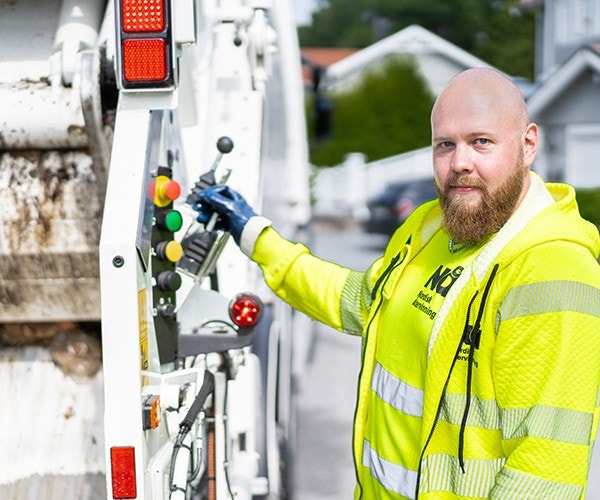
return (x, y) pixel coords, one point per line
(461, 159)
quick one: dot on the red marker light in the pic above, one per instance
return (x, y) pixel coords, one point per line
(122, 465)
(145, 60)
(143, 16)
(245, 310)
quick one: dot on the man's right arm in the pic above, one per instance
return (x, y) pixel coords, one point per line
(327, 292)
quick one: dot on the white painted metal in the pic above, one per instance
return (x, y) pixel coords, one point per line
(122, 289)
(77, 29)
(57, 418)
(225, 90)
(37, 115)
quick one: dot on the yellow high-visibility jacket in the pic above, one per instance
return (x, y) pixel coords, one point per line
(517, 417)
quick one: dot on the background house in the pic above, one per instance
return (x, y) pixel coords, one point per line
(566, 102)
(437, 59)
(319, 59)
(344, 190)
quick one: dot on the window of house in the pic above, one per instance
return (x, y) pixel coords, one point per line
(574, 19)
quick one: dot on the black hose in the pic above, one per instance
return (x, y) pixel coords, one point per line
(208, 386)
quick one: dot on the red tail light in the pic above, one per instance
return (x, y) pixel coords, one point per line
(144, 60)
(245, 310)
(146, 52)
(122, 465)
(143, 16)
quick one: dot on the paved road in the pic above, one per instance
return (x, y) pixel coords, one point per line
(327, 395)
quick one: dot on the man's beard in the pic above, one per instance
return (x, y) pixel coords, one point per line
(474, 224)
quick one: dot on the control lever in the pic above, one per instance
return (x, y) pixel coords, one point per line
(207, 179)
(203, 245)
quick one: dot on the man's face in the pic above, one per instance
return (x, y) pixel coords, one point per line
(479, 167)
(473, 218)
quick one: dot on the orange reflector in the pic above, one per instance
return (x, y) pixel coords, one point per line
(144, 60)
(122, 466)
(245, 310)
(151, 412)
(143, 16)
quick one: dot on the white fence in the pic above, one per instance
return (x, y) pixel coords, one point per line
(343, 191)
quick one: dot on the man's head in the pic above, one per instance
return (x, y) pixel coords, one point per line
(483, 148)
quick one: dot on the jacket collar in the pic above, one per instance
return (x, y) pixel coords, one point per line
(536, 200)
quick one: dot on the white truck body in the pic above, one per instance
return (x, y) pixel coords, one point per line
(78, 256)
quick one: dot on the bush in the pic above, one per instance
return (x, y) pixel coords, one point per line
(589, 204)
(386, 113)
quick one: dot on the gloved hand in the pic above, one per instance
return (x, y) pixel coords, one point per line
(234, 212)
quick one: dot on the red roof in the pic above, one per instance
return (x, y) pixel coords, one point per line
(323, 57)
(326, 56)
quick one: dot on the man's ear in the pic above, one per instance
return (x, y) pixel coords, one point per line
(530, 143)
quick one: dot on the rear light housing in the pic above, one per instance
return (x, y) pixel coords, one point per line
(245, 310)
(145, 46)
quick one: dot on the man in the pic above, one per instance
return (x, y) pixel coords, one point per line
(480, 323)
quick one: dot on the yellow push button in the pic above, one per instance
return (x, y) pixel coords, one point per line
(169, 250)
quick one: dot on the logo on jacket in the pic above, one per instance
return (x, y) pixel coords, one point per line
(443, 278)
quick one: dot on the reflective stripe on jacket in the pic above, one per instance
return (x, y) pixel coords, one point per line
(514, 417)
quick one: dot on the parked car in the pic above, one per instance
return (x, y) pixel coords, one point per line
(395, 203)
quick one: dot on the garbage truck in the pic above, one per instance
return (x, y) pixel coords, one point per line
(141, 355)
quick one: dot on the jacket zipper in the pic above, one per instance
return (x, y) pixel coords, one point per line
(381, 281)
(473, 334)
(384, 276)
(466, 331)
(439, 407)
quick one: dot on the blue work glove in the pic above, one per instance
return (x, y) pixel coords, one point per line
(234, 212)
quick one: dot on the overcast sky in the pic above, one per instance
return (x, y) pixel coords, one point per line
(303, 9)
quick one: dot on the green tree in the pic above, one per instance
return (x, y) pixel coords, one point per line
(384, 114)
(337, 24)
(494, 30)
(589, 204)
(512, 25)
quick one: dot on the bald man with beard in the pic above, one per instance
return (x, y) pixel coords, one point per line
(480, 323)
(483, 148)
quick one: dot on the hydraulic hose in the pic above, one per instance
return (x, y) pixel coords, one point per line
(206, 390)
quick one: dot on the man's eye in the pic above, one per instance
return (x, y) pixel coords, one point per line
(445, 144)
(482, 141)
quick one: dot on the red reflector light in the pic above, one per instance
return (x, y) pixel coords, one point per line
(122, 465)
(144, 60)
(143, 16)
(245, 310)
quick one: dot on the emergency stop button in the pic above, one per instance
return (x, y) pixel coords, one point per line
(164, 191)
